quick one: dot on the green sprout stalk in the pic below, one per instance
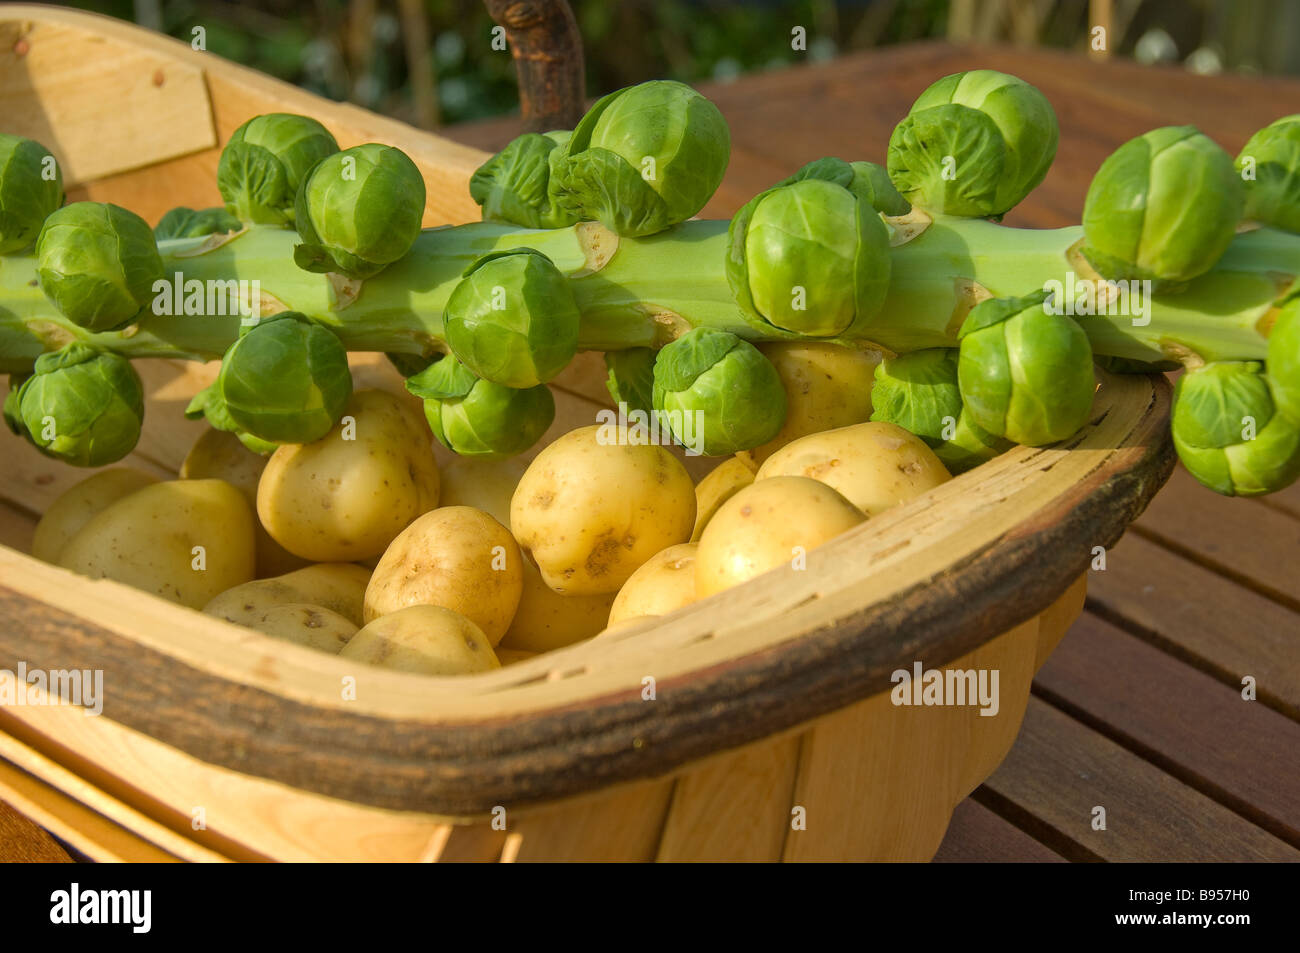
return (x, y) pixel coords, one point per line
(652, 290)
(990, 334)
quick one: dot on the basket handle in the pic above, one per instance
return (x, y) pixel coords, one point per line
(547, 50)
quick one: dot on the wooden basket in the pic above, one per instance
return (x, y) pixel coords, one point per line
(771, 734)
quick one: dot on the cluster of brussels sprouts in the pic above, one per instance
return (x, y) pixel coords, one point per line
(1163, 208)
(816, 257)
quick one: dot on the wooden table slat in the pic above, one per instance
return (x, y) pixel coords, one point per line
(1060, 771)
(977, 835)
(1201, 616)
(1237, 751)
(1254, 545)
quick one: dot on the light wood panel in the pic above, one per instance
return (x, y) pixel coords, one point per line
(100, 105)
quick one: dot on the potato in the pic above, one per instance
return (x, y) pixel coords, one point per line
(486, 485)
(338, 587)
(313, 626)
(874, 465)
(431, 640)
(346, 496)
(149, 540)
(456, 557)
(79, 503)
(826, 386)
(715, 489)
(511, 656)
(770, 523)
(220, 456)
(591, 509)
(547, 619)
(664, 583)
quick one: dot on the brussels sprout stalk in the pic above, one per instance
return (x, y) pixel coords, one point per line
(653, 290)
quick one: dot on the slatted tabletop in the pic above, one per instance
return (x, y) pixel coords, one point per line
(1140, 709)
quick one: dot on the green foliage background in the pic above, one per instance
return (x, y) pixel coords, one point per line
(357, 50)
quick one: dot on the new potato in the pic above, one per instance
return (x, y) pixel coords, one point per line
(723, 482)
(184, 540)
(456, 557)
(826, 386)
(77, 505)
(513, 656)
(773, 522)
(313, 626)
(338, 587)
(548, 620)
(875, 466)
(591, 508)
(486, 485)
(430, 640)
(220, 456)
(346, 496)
(663, 583)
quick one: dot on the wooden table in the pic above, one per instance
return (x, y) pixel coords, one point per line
(1139, 711)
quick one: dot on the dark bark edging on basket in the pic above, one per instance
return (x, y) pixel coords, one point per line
(466, 770)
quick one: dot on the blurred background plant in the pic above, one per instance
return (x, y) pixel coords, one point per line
(432, 62)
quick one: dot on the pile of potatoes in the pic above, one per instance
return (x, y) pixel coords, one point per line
(361, 546)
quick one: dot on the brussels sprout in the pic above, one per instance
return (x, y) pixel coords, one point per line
(631, 379)
(512, 319)
(12, 413)
(81, 405)
(516, 184)
(98, 264)
(477, 418)
(265, 162)
(643, 158)
(919, 392)
(866, 180)
(810, 256)
(871, 182)
(973, 144)
(358, 211)
(285, 380)
(408, 365)
(31, 188)
(209, 404)
(1272, 160)
(1163, 207)
(182, 222)
(1025, 373)
(1284, 358)
(969, 446)
(720, 394)
(1228, 434)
